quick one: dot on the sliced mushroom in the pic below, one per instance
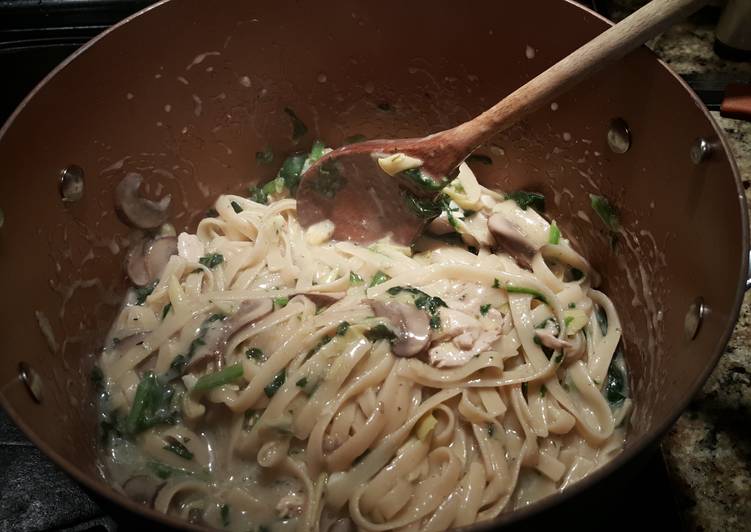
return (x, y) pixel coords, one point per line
(548, 339)
(219, 332)
(412, 323)
(135, 210)
(324, 299)
(158, 253)
(508, 237)
(142, 488)
(135, 264)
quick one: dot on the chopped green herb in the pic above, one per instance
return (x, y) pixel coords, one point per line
(528, 199)
(567, 320)
(602, 319)
(479, 158)
(166, 310)
(379, 277)
(511, 289)
(219, 378)
(543, 390)
(265, 157)
(445, 203)
(281, 302)
(316, 152)
(496, 283)
(572, 305)
(212, 260)
(380, 332)
(224, 510)
(484, 309)
(355, 279)
(419, 178)
(212, 213)
(236, 207)
(605, 211)
(178, 448)
(271, 388)
(491, 429)
(258, 195)
(152, 405)
(435, 322)
(142, 292)
(291, 170)
(299, 129)
(473, 250)
(254, 353)
(302, 383)
(354, 139)
(554, 234)
(342, 328)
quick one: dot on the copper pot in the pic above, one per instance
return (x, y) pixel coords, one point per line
(187, 92)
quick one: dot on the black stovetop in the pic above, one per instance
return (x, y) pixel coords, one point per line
(35, 495)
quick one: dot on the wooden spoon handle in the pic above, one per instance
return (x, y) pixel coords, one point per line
(610, 45)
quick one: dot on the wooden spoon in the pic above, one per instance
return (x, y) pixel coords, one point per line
(349, 187)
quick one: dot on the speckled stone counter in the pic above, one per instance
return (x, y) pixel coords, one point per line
(708, 451)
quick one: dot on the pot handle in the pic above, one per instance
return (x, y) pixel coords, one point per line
(737, 102)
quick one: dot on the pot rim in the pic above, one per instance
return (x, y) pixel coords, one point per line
(98, 486)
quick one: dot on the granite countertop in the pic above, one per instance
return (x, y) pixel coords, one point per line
(708, 451)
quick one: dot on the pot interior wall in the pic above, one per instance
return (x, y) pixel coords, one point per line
(187, 95)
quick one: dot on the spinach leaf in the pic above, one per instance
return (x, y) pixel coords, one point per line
(316, 152)
(602, 319)
(380, 332)
(258, 195)
(142, 292)
(291, 170)
(554, 234)
(299, 129)
(355, 279)
(511, 289)
(420, 178)
(484, 309)
(175, 447)
(342, 328)
(236, 207)
(424, 208)
(526, 199)
(219, 378)
(606, 211)
(614, 388)
(166, 310)
(152, 405)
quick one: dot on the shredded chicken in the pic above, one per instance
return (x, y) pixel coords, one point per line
(190, 247)
(468, 337)
(548, 339)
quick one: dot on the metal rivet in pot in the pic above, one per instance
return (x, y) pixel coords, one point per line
(694, 317)
(701, 150)
(31, 380)
(71, 183)
(619, 136)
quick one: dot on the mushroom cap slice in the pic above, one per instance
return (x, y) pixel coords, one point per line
(412, 323)
(508, 237)
(157, 255)
(135, 210)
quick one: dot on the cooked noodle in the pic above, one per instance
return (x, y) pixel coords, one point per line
(274, 379)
